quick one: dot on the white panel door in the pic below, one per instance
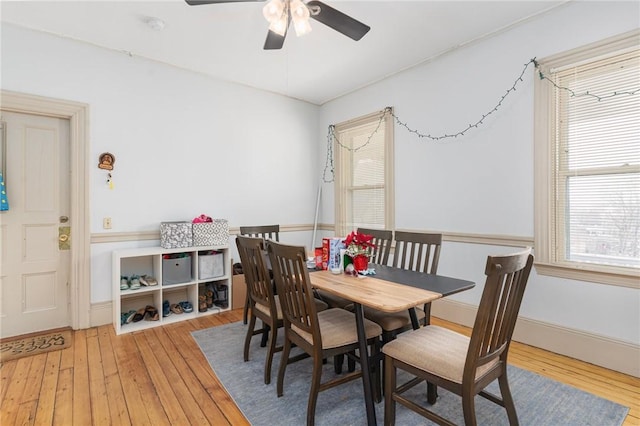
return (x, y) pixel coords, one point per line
(35, 265)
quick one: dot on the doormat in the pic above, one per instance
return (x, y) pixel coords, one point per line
(35, 343)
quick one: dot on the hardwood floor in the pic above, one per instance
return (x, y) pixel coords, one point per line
(160, 377)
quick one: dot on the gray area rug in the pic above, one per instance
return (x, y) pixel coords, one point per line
(539, 401)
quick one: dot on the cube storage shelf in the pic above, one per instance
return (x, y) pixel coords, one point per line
(178, 280)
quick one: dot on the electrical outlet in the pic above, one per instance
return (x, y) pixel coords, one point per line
(106, 223)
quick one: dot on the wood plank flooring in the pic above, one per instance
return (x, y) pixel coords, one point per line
(160, 377)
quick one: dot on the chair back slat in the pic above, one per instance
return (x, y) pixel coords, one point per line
(267, 232)
(294, 288)
(417, 251)
(382, 240)
(506, 281)
(256, 272)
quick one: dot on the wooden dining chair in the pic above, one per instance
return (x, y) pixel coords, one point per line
(263, 303)
(414, 251)
(266, 232)
(382, 240)
(463, 365)
(319, 334)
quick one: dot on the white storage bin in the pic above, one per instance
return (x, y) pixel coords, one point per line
(210, 265)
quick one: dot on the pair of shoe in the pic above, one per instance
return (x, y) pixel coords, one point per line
(186, 306)
(127, 283)
(150, 313)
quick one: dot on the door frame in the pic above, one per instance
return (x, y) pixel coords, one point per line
(78, 115)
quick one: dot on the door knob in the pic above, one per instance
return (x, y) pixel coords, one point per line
(64, 241)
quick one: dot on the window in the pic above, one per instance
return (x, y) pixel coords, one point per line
(364, 173)
(588, 163)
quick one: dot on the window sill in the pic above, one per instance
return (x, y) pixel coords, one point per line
(588, 273)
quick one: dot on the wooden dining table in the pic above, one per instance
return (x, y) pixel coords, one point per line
(389, 290)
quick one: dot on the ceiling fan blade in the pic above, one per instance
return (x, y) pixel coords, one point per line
(337, 20)
(274, 41)
(201, 2)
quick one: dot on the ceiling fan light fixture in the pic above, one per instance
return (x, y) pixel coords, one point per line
(274, 10)
(300, 16)
(279, 26)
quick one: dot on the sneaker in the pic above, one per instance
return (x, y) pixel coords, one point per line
(166, 308)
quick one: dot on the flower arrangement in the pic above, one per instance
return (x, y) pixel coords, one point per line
(358, 244)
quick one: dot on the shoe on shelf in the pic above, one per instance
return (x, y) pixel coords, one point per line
(176, 308)
(124, 283)
(186, 306)
(202, 304)
(139, 315)
(166, 308)
(134, 282)
(130, 315)
(221, 296)
(148, 280)
(209, 299)
(151, 313)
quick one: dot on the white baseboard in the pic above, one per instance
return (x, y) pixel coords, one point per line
(599, 350)
(101, 314)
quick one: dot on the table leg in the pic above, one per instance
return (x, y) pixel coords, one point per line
(414, 319)
(364, 364)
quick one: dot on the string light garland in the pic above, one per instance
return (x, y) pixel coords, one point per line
(331, 136)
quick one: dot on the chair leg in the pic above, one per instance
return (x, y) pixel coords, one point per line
(265, 334)
(338, 360)
(247, 340)
(283, 365)
(507, 399)
(468, 407)
(389, 388)
(315, 389)
(273, 336)
(351, 364)
(245, 313)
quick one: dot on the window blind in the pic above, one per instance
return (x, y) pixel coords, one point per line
(364, 173)
(597, 161)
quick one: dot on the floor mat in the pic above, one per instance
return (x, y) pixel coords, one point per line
(35, 343)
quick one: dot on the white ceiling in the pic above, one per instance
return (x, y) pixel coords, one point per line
(225, 40)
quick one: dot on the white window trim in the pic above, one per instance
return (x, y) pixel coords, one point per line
(340, 201)
(543, 174)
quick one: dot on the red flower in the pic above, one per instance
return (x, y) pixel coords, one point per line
(358, 243)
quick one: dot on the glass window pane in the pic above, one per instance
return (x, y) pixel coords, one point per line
(603, 219)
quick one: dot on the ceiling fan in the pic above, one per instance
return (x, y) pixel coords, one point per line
(280, 13)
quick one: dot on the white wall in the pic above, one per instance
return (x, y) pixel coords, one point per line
(482, 183)
(185, 144)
